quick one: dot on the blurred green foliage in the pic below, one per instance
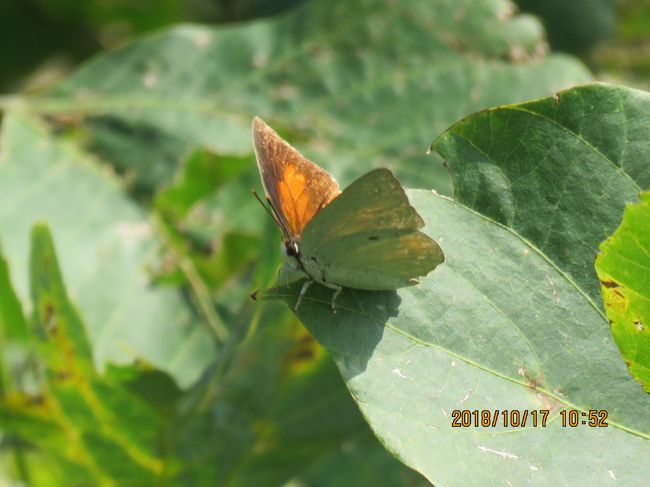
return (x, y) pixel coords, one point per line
(634, 20)
(61, 33)
(626, 57)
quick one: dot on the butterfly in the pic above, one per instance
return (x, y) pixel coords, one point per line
(366, 237)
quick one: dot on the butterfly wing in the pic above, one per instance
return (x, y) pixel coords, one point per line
(369, 238)
(297, 187)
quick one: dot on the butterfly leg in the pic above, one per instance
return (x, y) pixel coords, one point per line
(303, 290)
(334, 296)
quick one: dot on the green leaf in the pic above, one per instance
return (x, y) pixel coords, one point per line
(54, 315)
(557, 170)
(13, 327)
(359, 94)
(92, 429)
(312, 420)
(496, 327)
(14, 334)
(106, 242)
(360, 462)
(624, 271)
(201, 174)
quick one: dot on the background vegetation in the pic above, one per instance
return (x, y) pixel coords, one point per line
(131, 353)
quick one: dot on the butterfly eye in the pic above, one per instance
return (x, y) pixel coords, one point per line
(292, 249)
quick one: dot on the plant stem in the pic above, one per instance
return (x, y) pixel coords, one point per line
(200, 291)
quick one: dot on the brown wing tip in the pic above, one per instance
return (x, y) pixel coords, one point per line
(258, 123)
(260, 126)
(262, 133)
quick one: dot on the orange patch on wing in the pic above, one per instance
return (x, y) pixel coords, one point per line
(294, 201)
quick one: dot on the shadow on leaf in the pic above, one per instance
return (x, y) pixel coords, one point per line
(354, 330)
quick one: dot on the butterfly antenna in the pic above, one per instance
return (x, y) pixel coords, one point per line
(271, 211)
(257, 197)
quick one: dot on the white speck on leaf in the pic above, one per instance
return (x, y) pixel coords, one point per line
(611, 474)
(475, 93)
(398, 373)
(533, 468)
(202, 39)
(132, 232)
(556, 296)
(517, 53)
(521, 371)
(348, 447)
(541, 49)
(466, 397)
(502, 454)
(150, 79)
(260, 60)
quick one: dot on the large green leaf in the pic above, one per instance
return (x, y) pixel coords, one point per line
(496, 327)
(360, 84)
(624, 271)
(105, 241)
(512, 319)
(557, 170)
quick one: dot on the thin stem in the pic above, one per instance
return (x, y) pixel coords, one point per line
(200, 291)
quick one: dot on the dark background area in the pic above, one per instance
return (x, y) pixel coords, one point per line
(44, 39)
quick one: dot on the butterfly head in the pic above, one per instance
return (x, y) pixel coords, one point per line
(291, 248)
(291, 255)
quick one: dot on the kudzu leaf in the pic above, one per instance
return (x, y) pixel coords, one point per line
(624, 272)
(497, 327)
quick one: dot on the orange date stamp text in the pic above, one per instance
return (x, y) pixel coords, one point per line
(516, 418)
